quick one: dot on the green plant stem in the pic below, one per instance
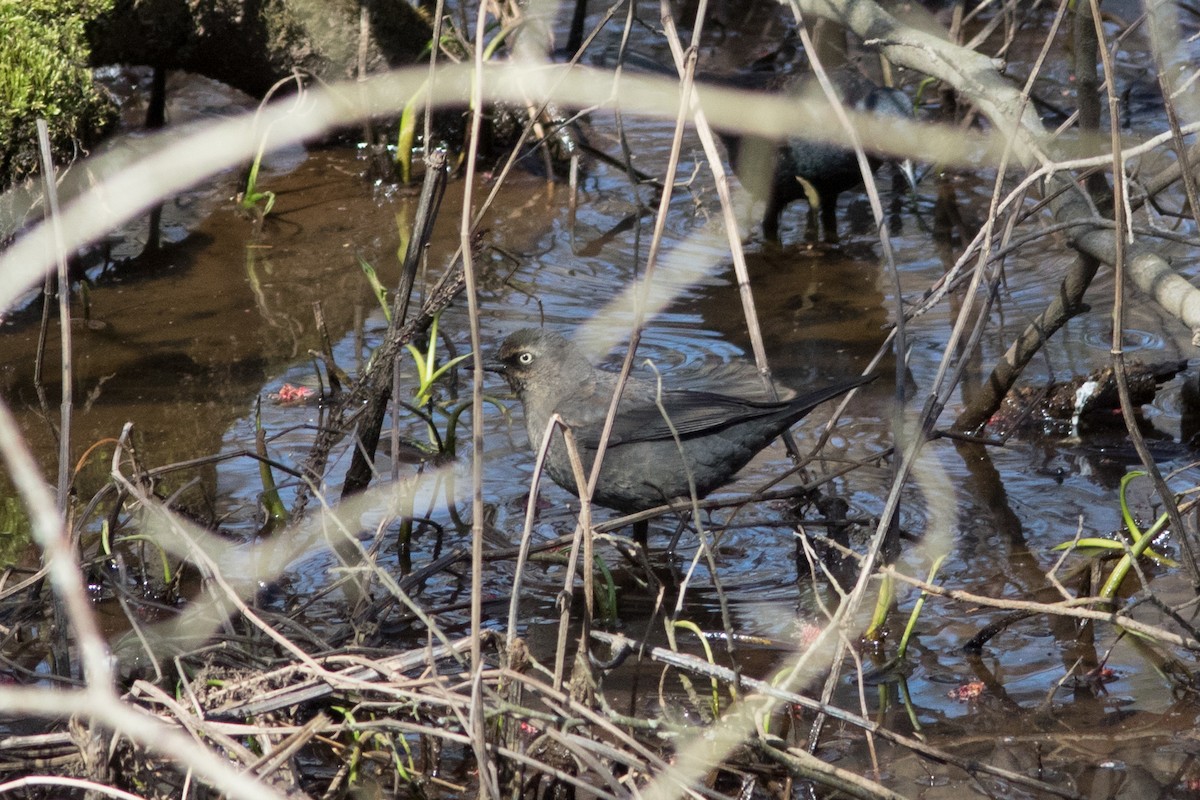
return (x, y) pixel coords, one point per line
(917, 606)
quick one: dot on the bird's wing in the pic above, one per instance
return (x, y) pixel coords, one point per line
(696, 413)
(690, 412)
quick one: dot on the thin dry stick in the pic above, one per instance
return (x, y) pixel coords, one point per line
(806, 766)
(864, 166)
(584, 528)
(488, 780)
(514, 600)
(1075, 608)
(62, 654)
(64, 316)
(685, 63)
(729, 215)
(985, 240)
(901, 470)
(439, 9)
(1119, 211)
(639, 306)
(583, 535)
(91, 787)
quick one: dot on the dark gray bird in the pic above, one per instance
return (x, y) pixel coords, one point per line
(783, 172)
(643, 466)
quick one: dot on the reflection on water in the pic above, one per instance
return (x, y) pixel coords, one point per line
(822, 315)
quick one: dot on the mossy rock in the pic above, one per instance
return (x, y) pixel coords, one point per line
(44, 73)
(252, 44)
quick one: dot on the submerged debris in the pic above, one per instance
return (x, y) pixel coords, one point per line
(1061, 406)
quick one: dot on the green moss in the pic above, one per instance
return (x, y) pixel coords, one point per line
(15, 539)
(44, 73)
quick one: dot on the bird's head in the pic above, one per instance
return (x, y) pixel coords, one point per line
(890, 102)
(540, 363)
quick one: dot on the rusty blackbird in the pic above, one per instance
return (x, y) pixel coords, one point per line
(779, 171)
(643, 467)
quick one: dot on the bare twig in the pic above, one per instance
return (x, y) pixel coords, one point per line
(64, 316)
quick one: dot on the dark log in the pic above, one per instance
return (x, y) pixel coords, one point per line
(1059, 405)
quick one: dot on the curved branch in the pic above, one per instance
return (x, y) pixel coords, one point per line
(977, 77)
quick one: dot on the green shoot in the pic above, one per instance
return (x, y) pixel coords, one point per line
(917, 606)
(687, 625)
(381, 292)
(250, 198)
(408, 132)
(428, 371)
(883, 605)
(276, 511)
(106, 547)
(1141, 543)
(607, 598)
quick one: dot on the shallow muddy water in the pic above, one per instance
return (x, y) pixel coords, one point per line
(184, 339)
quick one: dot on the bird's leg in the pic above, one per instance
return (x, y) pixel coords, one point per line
(679, 529)
(770, 220)
(641, 555)
(812, 229)
(829, 219)
(641, 534)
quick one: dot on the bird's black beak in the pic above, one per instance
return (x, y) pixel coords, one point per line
(497, 367)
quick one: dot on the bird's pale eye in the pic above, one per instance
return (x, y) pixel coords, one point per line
(525, 358)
